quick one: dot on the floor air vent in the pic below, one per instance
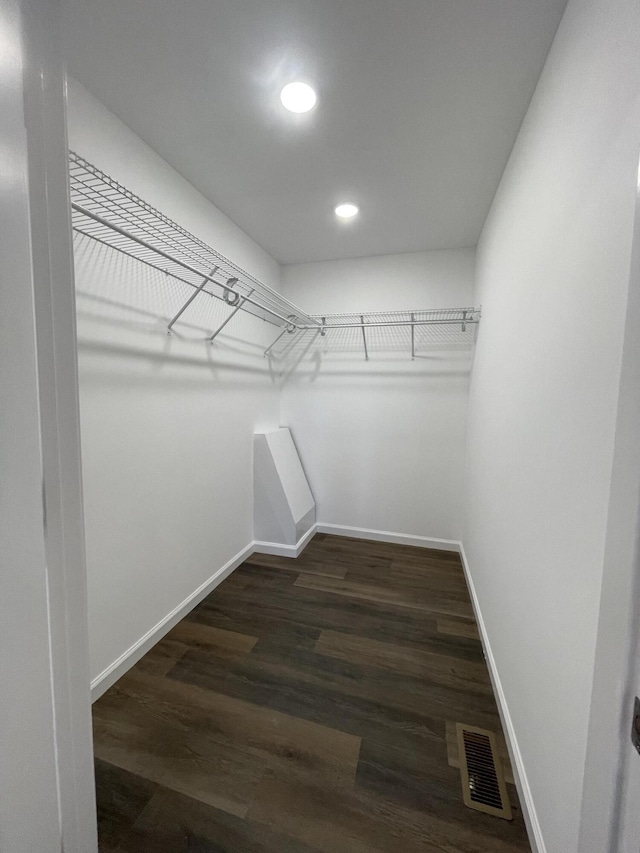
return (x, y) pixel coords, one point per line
(483, 785)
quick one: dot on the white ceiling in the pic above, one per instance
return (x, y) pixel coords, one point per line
(419, 103)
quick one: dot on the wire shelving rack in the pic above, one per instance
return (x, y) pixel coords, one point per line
(111, 214)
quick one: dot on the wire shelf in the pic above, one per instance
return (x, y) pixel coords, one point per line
(419, 317)
(386, 331)
(105, 211)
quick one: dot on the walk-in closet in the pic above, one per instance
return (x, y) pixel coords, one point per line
(319, 437)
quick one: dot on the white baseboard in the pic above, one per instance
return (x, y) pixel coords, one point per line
(520, 776)
(127, 659)
(285, 550)
(387, 536)
(112, 673)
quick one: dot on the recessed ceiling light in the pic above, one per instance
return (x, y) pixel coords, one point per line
(346, 211)
(298, 97)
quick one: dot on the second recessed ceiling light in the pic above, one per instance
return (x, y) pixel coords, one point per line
(298, 97)
(346, 211)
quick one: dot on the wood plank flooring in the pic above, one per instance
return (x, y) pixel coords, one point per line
(306, 706)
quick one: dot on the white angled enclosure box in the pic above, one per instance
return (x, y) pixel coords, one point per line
(284, 509)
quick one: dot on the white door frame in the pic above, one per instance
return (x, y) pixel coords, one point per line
(626, 812)
(47, 800)
(610, 813)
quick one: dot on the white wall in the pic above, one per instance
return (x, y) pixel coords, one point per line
(382, 441)
(167, 422)
(552, 272)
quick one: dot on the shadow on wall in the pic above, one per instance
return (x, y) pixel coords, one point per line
(438, 351)
(124, 308)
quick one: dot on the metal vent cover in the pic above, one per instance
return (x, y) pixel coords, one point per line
(483, 784)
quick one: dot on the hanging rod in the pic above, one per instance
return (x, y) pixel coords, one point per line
(207, 278)
(363, 324)
(111, 214)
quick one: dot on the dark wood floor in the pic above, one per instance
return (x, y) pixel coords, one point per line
(306, 705)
